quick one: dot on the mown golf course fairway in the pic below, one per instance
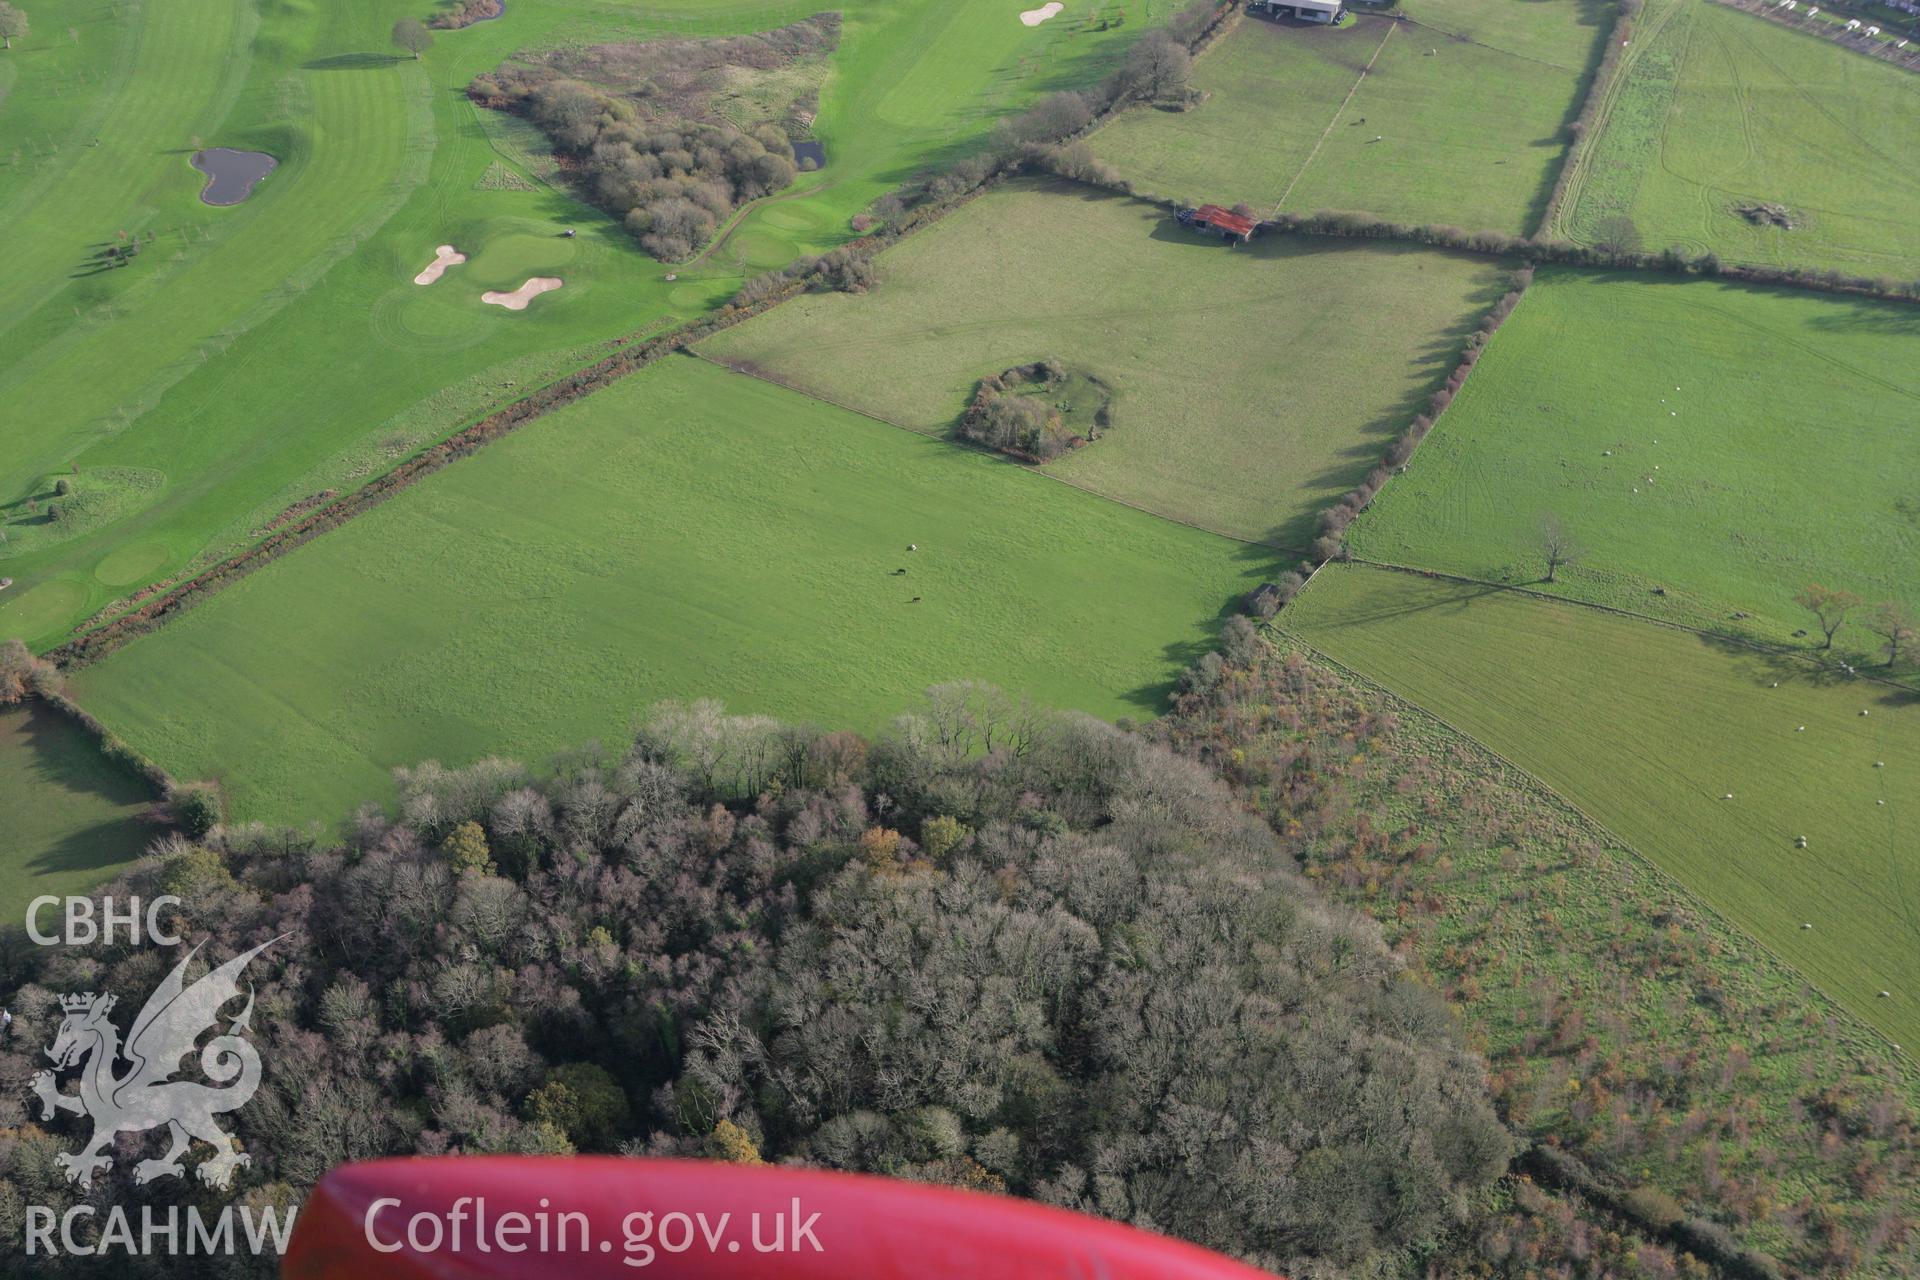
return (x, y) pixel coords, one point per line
(69, 817)
(687, 532)
(255, 355)
(1723, 444)
(1647, 728)
(1254, 384)
(1462, 121)
(1720, 109)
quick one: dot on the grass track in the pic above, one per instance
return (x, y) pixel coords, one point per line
(1646, 727)
(1254, 384)
(687, 532)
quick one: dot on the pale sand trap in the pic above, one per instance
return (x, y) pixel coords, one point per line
(1034, 17)
(519, 298)
(443, 257)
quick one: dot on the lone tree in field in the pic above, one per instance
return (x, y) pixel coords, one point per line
(412, 35)
(1894, 623)
(13, 22)
(1557, 546)
(1829, 606)
(1617, 234)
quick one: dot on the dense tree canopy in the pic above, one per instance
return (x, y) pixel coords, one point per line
(992, 948)
(638, 126)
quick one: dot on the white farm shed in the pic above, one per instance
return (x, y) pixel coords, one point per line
(1305, 10)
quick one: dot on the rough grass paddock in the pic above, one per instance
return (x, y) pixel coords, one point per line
(69, 817)
(1255, 383)
(1646, 727)
(1470, 114)
(1784, 423)
(1721, 109)
(1570, 959)
(687, 532)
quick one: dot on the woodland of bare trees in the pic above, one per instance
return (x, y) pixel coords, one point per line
(991, 947)
(635, 126)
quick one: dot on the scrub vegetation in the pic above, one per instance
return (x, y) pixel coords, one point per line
(642, 132)
(1781, 793)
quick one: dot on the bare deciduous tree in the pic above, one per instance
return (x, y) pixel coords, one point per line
(412, 35)
(1829, 606)
(1894, 623)
(1557, 546)
(1156, 68)
(13, 22)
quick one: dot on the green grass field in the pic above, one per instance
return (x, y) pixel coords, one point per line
(1253, 384)
(255, 355)
(1719, 109)
(69, 817)
(1723, 444)
(1470, 114)
(687, 532)
(1646, 727)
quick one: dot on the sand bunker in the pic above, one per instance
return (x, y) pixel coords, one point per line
(443, 257)
(1034, 17)
(519, 298)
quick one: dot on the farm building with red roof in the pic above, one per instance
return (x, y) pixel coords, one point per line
(1211, 217)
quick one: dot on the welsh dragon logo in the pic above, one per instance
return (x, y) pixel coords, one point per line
(144, 1095)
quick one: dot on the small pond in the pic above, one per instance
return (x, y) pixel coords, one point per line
(809, 149)
(231, 175)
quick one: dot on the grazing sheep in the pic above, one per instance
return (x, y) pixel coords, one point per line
(1879, 764)
(913, 546)
(1727, 796)
(1863, 711)
(1806, 926)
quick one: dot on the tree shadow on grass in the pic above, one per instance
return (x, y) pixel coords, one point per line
(354, 61)
(1263, 565)
(65, 758)
(1878, 685)
(95, 849)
